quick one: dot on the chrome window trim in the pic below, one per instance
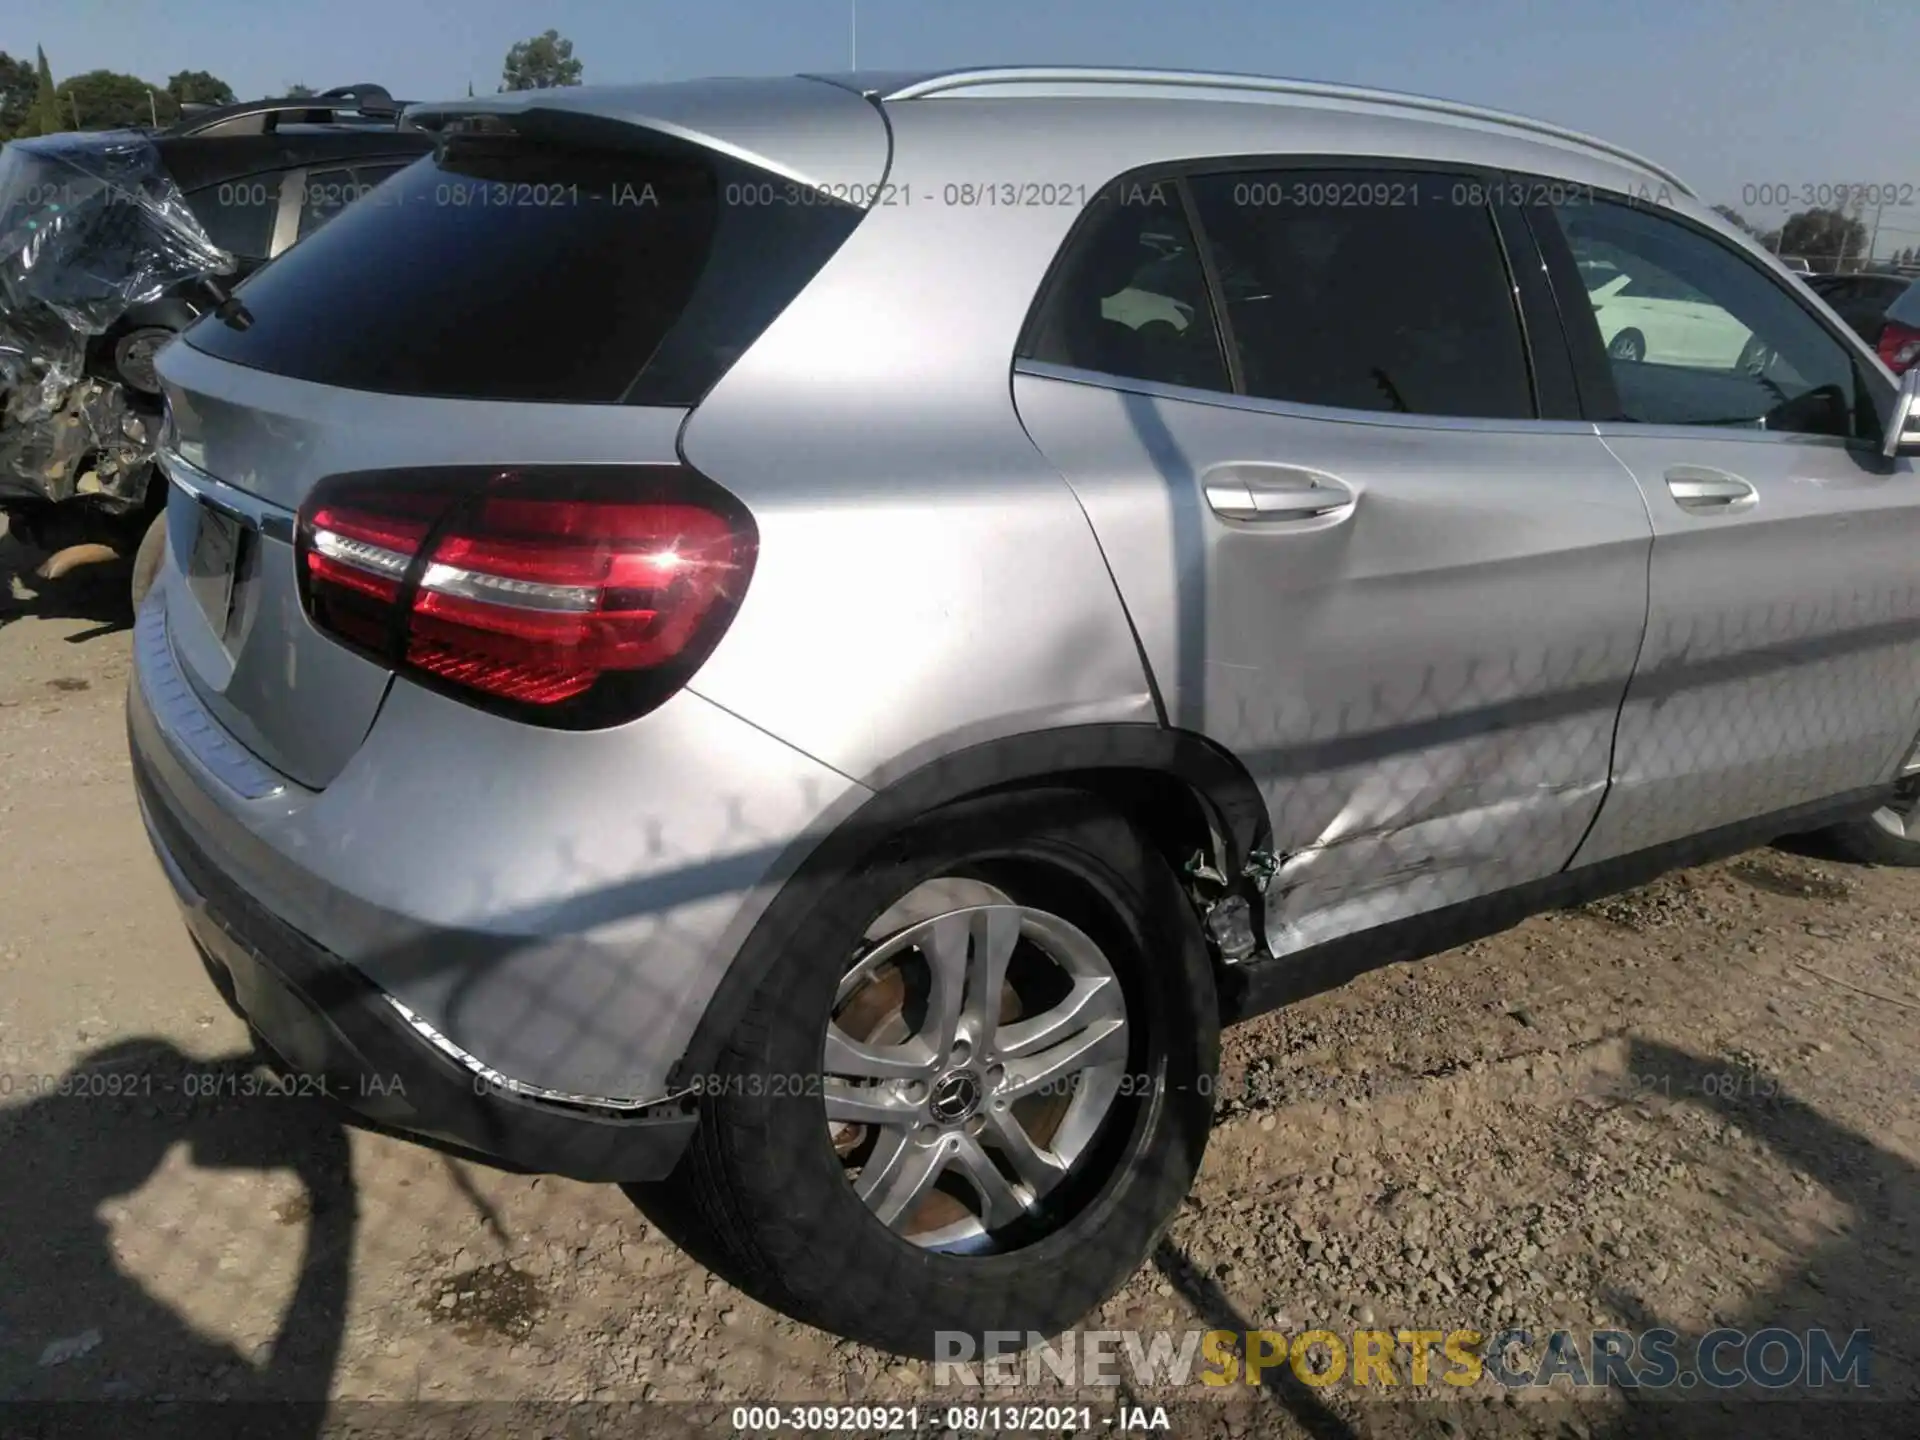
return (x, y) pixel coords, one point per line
(1326, 414)
(1630, 429)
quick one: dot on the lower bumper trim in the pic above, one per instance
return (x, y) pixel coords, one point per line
(327, 1021)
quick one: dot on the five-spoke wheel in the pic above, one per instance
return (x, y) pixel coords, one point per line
(972, 1083)
(969, 1060)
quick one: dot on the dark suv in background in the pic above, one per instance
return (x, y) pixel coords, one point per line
(1862, 300)
(260, 175)
(113, 242)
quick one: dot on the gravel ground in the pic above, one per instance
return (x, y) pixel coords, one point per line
(1690, 1106)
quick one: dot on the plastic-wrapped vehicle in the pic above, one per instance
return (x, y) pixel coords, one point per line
(113, 242)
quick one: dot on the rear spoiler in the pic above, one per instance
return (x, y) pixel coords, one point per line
(815, 134)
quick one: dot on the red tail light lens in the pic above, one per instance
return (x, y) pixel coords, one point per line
(576, 596)
(354, 558)
(1899, 346)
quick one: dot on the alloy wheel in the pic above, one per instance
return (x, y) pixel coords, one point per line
(975, 1047)
(1900, 816)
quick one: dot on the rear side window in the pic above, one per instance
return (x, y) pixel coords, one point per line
(1129, 296)
(325, 193)
(507, 269)
(238, 215)
(1367, 290)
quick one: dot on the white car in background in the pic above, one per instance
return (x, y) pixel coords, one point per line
(1653, 316)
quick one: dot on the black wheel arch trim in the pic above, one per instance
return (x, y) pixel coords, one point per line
(1075, 756)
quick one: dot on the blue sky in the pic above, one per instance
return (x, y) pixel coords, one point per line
(1730, 93)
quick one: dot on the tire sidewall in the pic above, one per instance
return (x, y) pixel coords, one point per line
(1865, 841)
(832, 1255)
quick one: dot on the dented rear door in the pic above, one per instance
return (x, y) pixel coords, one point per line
(1416, 630)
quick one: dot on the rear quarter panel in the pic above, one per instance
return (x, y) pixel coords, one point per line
(926, 580)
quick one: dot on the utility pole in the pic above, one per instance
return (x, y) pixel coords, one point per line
(853, 36)
(1874, 239)
(153, 110)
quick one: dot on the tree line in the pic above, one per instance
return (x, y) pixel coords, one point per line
(1827, 239)
(33, 103)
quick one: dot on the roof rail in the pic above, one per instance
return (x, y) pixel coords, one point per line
(371, 101)
(1086, 80)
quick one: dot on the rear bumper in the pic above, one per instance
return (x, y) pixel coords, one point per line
(338, 1032)
(551, 911)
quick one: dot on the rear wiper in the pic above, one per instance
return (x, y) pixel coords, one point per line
(227, 306)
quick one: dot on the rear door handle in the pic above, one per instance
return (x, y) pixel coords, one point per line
(1244, 491)
(1699, 489)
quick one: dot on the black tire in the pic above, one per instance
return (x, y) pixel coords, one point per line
(761, 1196)
(1869, 843)
(149, 557)
(1629, 344)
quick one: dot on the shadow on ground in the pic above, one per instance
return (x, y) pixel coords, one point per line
(1863, 1279)
(75, 1324)
(96, 592)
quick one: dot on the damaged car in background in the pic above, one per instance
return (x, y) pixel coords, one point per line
(113, 242)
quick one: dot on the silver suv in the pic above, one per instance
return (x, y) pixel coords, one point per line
(803, 643)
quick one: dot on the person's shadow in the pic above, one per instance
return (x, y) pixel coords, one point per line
(96, 592)
(1862, 1278)
(73, 1323)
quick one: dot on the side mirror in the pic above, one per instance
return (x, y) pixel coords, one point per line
(1903, 425)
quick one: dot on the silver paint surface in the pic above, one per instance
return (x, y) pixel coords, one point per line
(1424, 686)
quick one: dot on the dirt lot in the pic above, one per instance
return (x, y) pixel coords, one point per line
(1692, 1106)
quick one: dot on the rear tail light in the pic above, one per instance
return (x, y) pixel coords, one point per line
(1899, 346)
(577, 596)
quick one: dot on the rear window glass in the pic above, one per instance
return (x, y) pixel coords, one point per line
(505, 269)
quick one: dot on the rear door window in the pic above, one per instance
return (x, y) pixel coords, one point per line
(505, 268)
(1367, 290)
(1129, 296)
(325, 193)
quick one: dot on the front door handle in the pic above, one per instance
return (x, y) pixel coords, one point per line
(1699, 489)
(1243, 491)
